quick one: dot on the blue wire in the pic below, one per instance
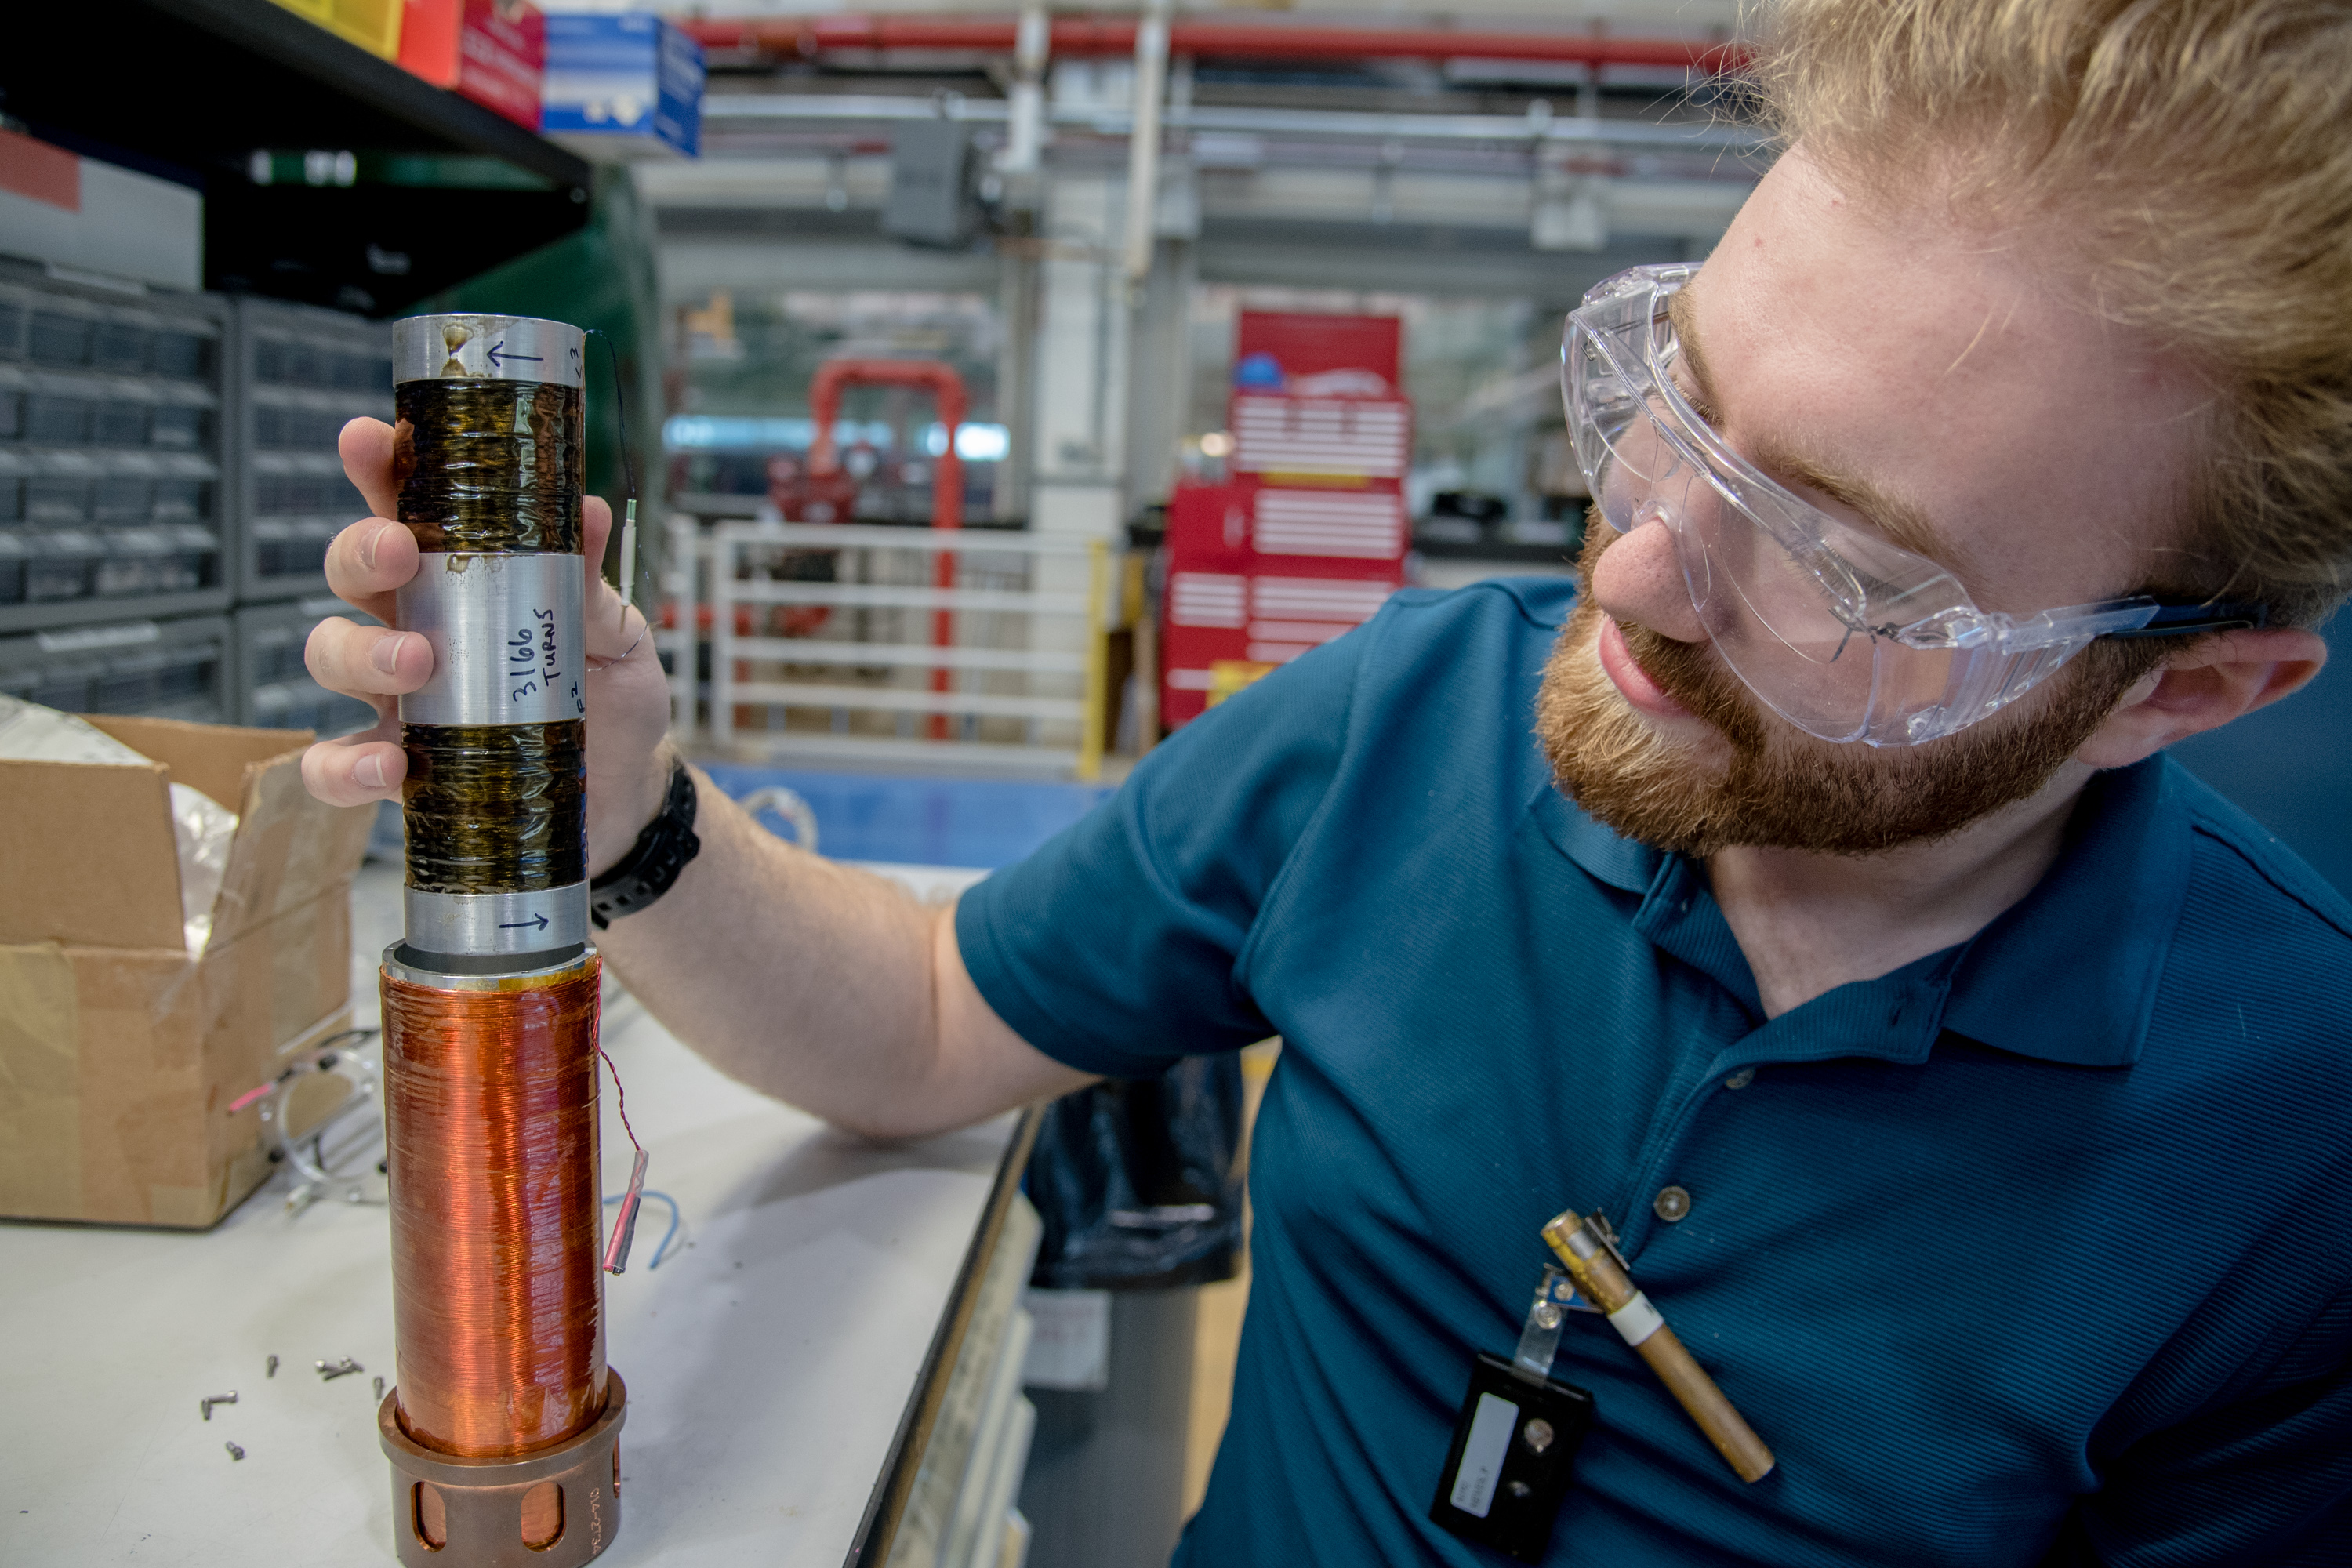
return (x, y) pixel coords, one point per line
(668, 1235)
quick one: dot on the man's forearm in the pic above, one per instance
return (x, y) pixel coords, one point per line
(824, 985)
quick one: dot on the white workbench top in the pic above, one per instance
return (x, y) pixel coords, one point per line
(770, 1359)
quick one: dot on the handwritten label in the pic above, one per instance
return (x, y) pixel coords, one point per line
(532, 661)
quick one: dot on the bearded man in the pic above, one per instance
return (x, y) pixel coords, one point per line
(1807, 890)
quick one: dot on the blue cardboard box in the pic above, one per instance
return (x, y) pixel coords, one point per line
(621, 86)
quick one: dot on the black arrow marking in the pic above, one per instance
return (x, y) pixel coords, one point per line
(518, 925)
(492, 352)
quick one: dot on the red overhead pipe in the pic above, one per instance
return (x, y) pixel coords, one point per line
(1282, 41)
(947, 479)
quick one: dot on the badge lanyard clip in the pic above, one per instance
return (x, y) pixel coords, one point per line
(1556, 1297)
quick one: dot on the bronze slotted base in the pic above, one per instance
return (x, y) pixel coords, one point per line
(478, 1505)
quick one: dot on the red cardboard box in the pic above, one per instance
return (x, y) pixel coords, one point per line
(492, 51)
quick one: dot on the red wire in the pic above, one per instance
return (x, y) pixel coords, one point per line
(620, 1096)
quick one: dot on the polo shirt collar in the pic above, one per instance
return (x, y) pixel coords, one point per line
(2069, 974)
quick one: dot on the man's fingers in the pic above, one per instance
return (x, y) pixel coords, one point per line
(356, 768)
(596, 527)
(610, 629)
(366, 662)
(368, 561)
(366, 447)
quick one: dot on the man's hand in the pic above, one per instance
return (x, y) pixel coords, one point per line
(628, 698)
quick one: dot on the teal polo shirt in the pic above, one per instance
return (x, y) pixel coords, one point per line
(2037, 1249)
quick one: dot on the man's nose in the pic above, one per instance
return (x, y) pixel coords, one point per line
(1639, 579)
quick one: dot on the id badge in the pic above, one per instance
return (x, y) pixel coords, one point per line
(1513, 1459)
(1514, 1452)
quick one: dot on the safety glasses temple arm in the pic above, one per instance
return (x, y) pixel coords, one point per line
(2184, 620)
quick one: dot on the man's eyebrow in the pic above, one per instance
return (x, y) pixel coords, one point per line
(1898, 521)
(1693, 357)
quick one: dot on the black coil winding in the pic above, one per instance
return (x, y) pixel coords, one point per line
(489, 464)
(496, 808)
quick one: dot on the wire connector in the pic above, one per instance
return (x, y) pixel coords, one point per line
(625, 1224)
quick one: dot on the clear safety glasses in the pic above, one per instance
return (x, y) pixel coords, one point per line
(1844, 635)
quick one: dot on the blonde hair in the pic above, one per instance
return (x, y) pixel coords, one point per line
(2195, 158)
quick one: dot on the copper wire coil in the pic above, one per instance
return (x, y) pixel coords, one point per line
(490, 1125)
(489, 464)
(496, 808)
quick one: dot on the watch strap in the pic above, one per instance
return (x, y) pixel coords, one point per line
(632, 883)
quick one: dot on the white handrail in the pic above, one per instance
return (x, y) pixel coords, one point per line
(907, 699)
(913, 597)
(921, 656)
(867, 536)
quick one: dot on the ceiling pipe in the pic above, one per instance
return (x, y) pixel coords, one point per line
(1097, 36)
(1031, 46)
(1143, 140)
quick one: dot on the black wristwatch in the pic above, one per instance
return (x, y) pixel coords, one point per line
(634, 880)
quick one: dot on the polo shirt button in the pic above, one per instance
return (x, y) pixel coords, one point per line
(1741, 1078)
(1671, 1204)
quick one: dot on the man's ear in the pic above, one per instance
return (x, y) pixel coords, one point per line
(2202, 688)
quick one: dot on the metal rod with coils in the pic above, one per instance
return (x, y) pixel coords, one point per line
(503, 1423)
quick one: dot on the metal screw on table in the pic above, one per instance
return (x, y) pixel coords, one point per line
(209, 1400)
(234, 1451)
(1547, 1316)
(1671, 1204)
(379, 1389)
(342, 1368)
(273, 1367)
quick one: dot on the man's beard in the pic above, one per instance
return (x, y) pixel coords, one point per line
(1782, 788)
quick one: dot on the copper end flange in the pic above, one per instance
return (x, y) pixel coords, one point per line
(554, 1508)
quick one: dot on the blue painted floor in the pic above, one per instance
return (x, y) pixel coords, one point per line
(984, 822)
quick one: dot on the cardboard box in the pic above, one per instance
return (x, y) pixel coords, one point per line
(373, 25)
(119, 1053)
(621, 87)
(492, 51)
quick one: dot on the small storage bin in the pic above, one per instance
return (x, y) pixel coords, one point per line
(50, 499)
(183, 501)
(136, 561)
(177, 428)
(59, 340)
(185, 675)
(68, 684)
(131, 682)
(123, 500)
(51, 420)
(12, 567)
(59, 565)
(124, 348)
(194, 560)
(180, 356)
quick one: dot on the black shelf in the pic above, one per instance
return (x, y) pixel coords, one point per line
(88, 612)
(190, 89)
